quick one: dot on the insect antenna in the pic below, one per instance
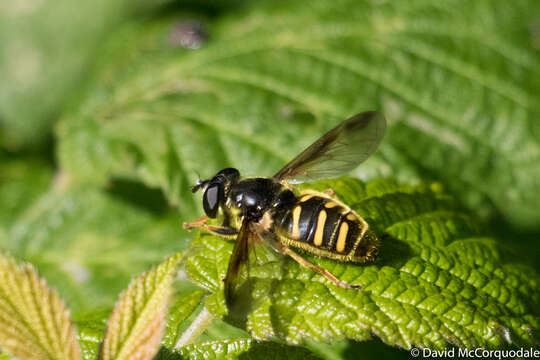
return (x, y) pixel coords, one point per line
(199, 184)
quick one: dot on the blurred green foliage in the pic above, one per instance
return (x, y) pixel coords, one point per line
(106, 118)
(47, 52)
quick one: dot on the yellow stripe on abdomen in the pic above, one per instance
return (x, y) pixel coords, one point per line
(342, 236)
(307, 197)
(319, 231)
(295, 233)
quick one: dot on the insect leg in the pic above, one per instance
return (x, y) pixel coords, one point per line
(318, 269)
(329, 192)
(365, 228)
(196, 223)
(221, 230)
(271, 239)
(218, 230)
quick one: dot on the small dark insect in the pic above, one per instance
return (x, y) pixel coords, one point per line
(189, 34)
(267, 210)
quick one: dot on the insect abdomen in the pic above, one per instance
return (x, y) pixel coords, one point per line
(327, 228)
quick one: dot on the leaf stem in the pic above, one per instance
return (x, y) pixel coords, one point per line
(196, 328)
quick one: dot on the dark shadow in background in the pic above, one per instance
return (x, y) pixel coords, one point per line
(139, 195)
(273, 351)
(205, 8)
(374, 349)
(517, 245)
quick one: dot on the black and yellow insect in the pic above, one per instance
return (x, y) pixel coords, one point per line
(269, 210)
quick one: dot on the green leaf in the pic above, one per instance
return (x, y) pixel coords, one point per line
(437, 280)
(459, 95)
(136, 326)
(89, 242)
(45, 63)
(91, 326)
(22, 181)
(219, 340)
(34, 323)
(239, 348)
(181, 310)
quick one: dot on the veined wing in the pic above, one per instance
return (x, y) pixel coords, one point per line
(340, 150)
(239, 259)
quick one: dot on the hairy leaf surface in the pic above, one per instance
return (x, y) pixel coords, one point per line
(136, 326)
(34, 322)
(91, 326)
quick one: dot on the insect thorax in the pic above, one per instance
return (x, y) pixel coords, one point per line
(252, 197)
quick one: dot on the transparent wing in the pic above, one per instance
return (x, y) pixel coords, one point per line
(340, 150)
(253, 246)
(239, 259)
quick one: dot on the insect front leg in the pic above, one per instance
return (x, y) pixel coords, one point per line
(224, 231)
(318, 269)
(196, 223)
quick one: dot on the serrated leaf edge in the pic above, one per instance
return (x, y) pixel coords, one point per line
(136, 326)
(35, 323)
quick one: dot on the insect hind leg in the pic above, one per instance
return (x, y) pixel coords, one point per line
(271, 240)
(319, 269)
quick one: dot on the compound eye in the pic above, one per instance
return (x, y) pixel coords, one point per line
(211, 200)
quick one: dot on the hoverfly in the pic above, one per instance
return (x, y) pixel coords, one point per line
(260, 209)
